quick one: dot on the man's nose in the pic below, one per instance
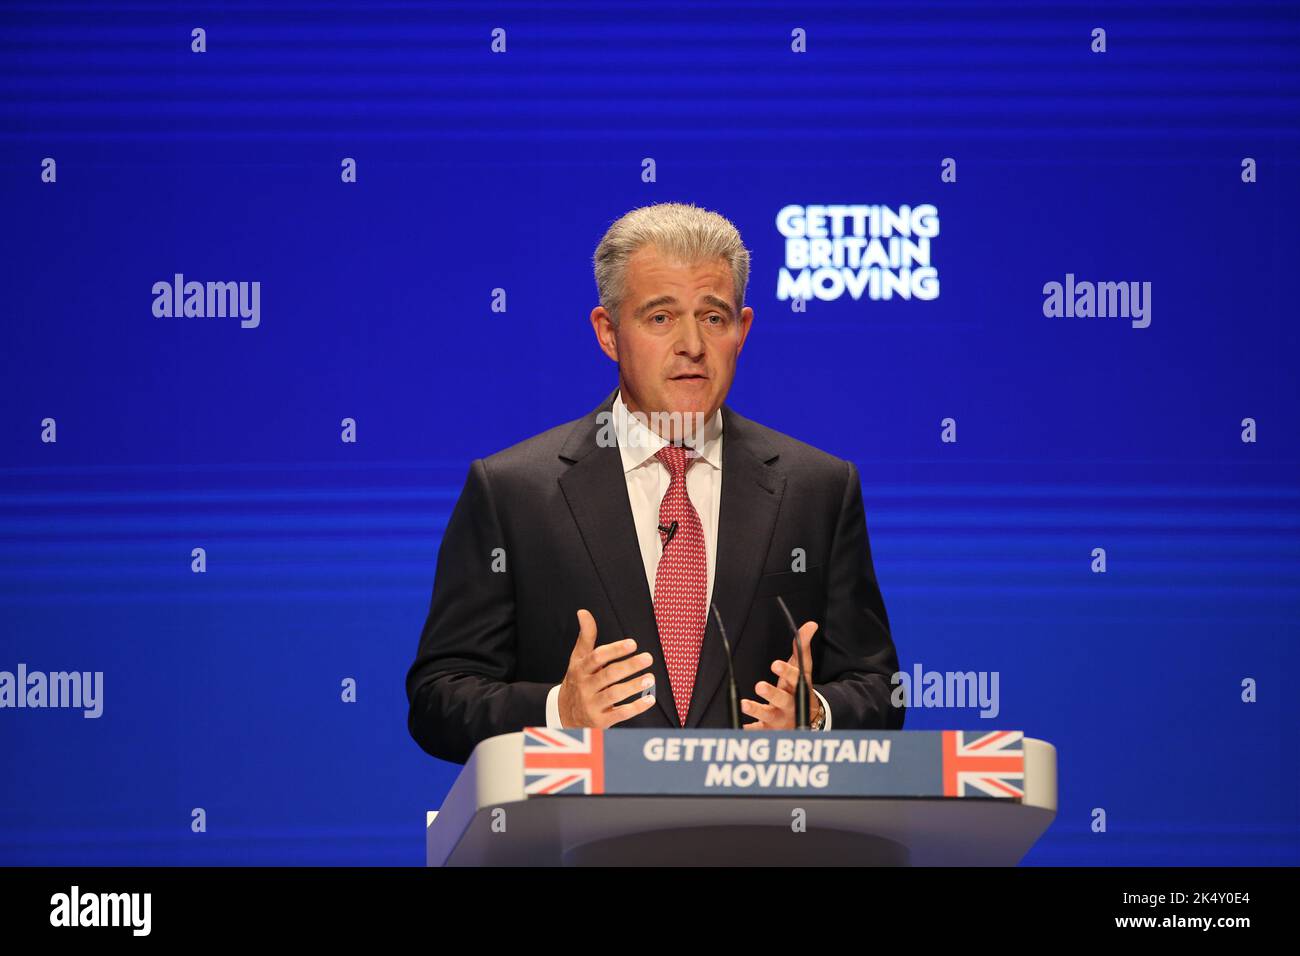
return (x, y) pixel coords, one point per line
(691, 340)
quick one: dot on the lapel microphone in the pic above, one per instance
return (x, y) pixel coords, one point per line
(669, 531)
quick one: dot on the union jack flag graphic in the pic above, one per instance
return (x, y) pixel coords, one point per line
(988, 764)
(563, 761)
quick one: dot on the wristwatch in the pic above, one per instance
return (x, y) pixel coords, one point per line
(821, 716)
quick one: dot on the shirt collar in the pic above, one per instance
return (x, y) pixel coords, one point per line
(638, 443)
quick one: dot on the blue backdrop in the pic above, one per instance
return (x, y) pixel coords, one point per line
(479, 171)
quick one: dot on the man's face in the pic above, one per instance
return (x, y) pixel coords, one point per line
(679, 335)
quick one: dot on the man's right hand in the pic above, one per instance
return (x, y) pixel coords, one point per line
(598, 678)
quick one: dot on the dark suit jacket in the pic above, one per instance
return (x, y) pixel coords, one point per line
(495, 642)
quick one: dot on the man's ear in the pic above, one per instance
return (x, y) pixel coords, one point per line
(606, 334)
(746, 319)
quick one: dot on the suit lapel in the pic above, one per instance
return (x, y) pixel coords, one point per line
(596, 491)
(751, 498)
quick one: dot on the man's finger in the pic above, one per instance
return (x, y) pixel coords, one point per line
(794, 665)
(788, 674)
(775, 696)
(614, 693)
(745, 706)
(805, 637)
(619, 670)
(586, 633)
(622, 712)
(606, 653)
(765, 714)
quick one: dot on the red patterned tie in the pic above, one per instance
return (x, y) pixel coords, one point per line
(681, 582)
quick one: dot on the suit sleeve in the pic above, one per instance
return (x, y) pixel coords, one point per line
(460, 688)
(857, 651)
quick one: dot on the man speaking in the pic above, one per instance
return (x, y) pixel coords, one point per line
(629, 526)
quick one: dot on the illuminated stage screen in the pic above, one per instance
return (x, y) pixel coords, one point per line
(277, 276)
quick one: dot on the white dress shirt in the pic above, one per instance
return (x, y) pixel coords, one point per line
(647, 483)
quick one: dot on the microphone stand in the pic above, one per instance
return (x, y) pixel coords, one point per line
(731, 674)
(803, 692)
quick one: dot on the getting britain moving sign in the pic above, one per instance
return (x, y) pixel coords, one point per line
(872, 251)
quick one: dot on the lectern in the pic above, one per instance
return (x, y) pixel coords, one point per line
(674, 797)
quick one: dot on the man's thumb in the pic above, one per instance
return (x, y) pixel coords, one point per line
(806, 635)
(586, 631)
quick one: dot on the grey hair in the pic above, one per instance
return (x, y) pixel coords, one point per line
(681, 231)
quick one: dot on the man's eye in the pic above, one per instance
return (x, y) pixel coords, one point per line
(655, 318)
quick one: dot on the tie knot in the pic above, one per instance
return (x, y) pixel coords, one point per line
(676, 460)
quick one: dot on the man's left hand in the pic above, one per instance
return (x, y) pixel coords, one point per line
(778, 711)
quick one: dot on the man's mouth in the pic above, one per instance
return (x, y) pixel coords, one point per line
(689, 376)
